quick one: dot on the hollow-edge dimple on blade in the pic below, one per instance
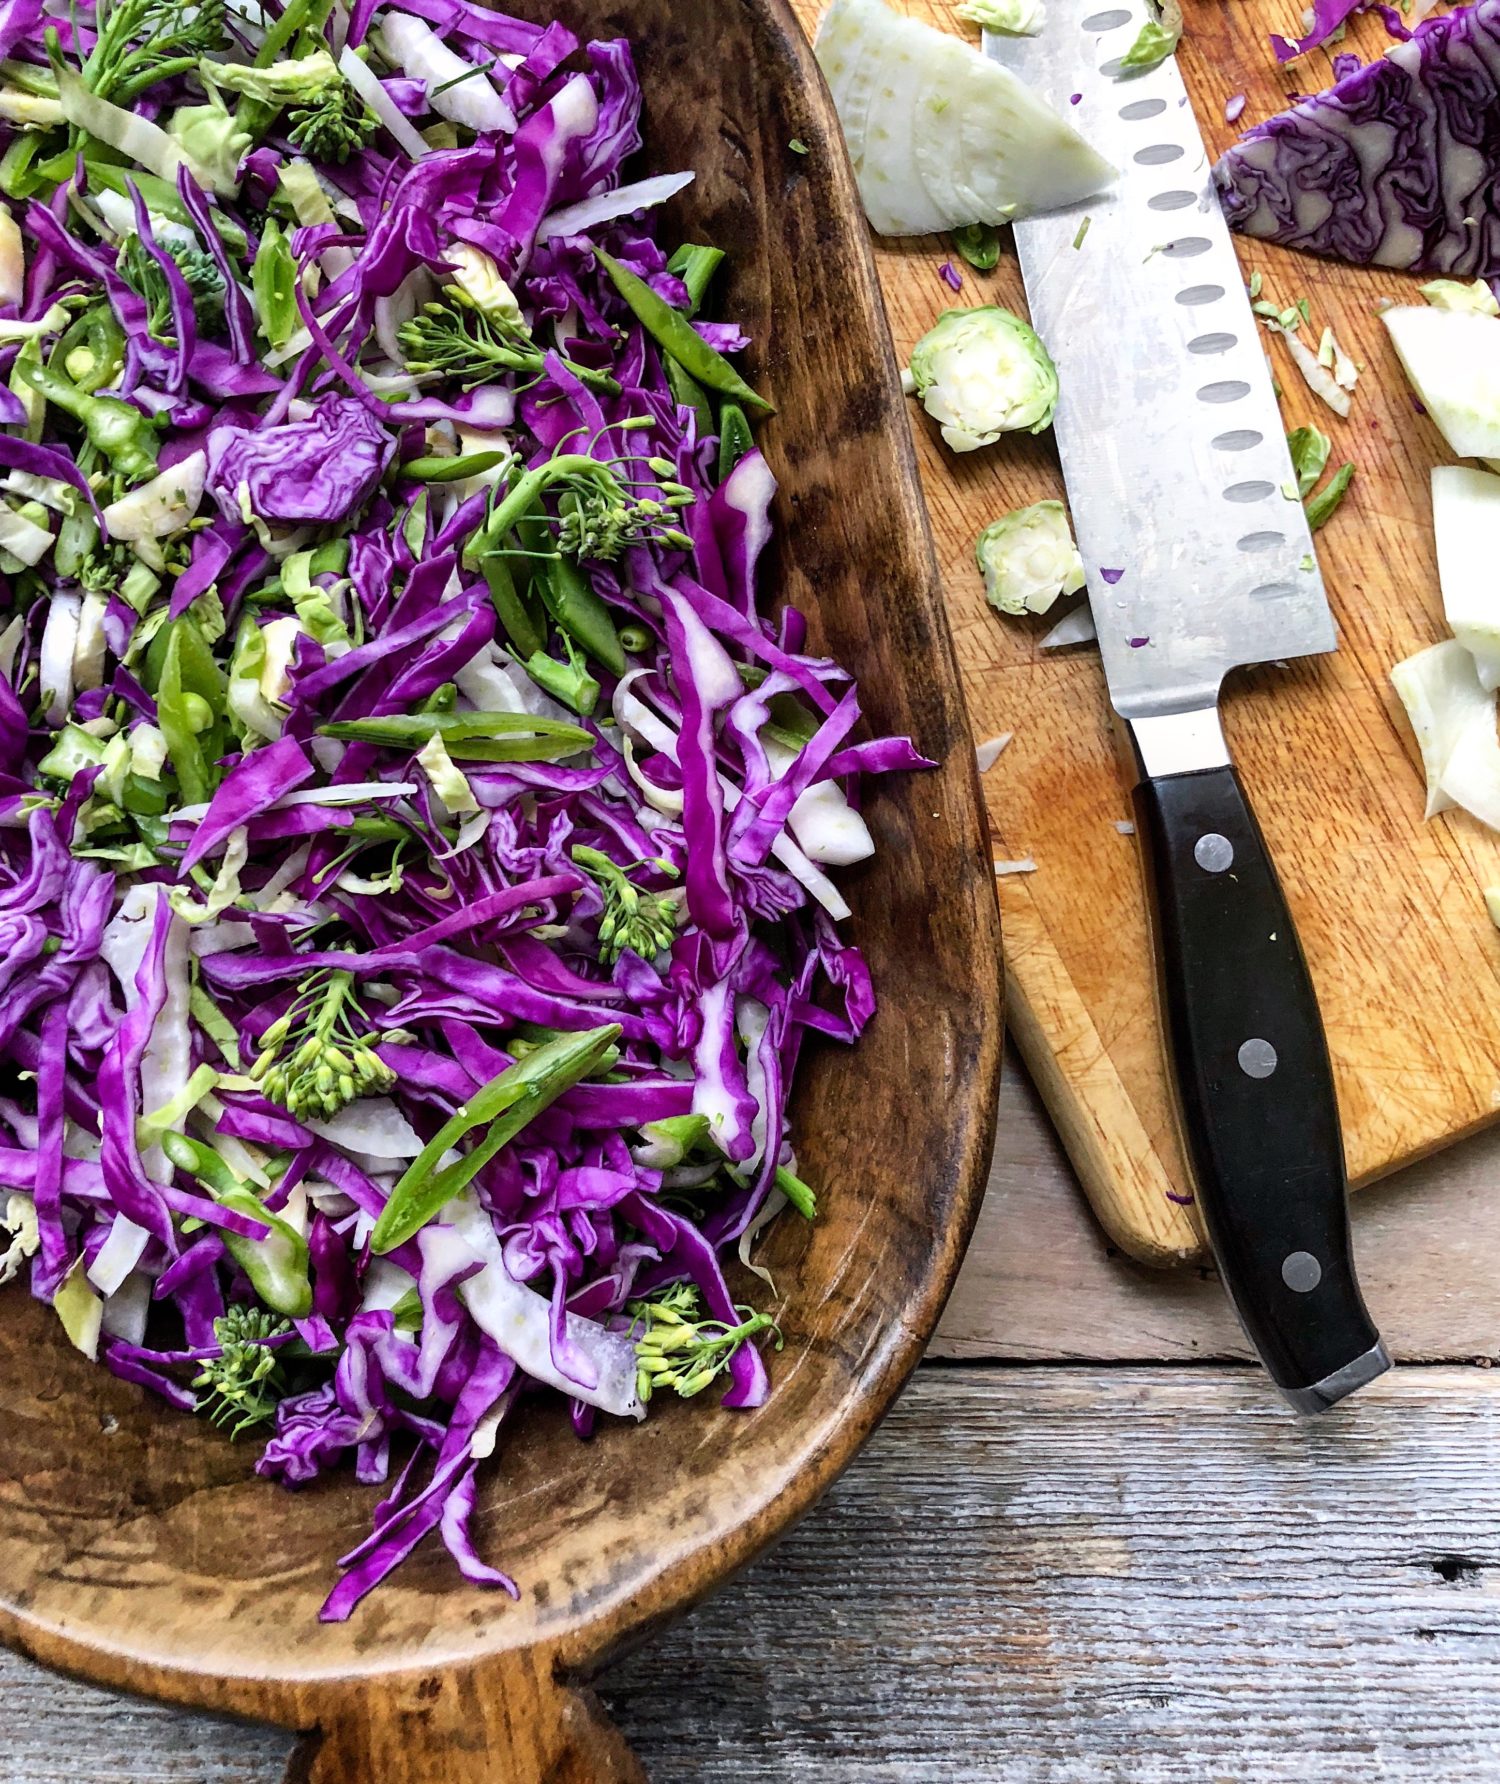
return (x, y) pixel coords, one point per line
(1180, 484)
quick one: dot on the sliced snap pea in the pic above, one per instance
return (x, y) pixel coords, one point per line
(276, 1265)
(690, 394)
(451, 470)
(677, 337)
(200, 674)
(735, 438)
(18, 177)
(176, 726)
(508, 1102)
(695, 266)
(273, 280)
(568, 682)
(401, 728)
(523, 630)
(581, 613)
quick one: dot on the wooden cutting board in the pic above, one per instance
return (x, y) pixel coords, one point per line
(1389, 908)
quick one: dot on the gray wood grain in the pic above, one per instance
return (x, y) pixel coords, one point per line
(1041, 1281)
(1057, 1575)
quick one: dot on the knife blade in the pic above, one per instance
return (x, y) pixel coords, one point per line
(1198, 560)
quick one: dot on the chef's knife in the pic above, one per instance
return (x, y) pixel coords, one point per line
(1199, 560)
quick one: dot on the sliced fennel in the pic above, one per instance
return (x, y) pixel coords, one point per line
(1466, 524)
(1452, 358)
(1320, 379)
(939, 135)
(1448, 708)
(1075, 627)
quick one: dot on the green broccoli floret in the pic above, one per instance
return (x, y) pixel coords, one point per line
(643, 923)
(326, 118)
(244, 1384)
(144, 276)
(677, 1347)
(319, 1055)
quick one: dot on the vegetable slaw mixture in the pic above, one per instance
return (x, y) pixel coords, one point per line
(413, 836)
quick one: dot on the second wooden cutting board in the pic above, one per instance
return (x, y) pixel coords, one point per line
(1390, 909)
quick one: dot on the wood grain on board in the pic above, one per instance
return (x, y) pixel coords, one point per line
(1389, 908)
(1042, 1576)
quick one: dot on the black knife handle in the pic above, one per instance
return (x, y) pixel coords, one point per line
(1254, 1086)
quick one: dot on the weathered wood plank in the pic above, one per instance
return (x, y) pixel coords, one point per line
(1042, 1281)
(1044, 1576)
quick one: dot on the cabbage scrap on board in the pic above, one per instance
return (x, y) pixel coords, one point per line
(1448, 690)
(1393, 165)
(939, 135)
(414, 826)
(1452, 359)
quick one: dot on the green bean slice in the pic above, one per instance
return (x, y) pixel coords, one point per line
(507, 1104)
(677, 337)
(735, 438)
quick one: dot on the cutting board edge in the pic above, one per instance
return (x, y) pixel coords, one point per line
(1062, 1048)
(1060, 1045)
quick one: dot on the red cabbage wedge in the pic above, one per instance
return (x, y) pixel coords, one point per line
(1394, 165)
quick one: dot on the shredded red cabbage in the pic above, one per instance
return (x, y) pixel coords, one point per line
(415, 820)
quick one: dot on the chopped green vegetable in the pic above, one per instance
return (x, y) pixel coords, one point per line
(798, 1193)
(1157, 39)
(452, 335)
(318, 1056)
(696, 265)
(277, 1265)
(142, 43)
(599, 511)
(121, 433)
(1309, 448)
(474, 736)
(273, 280)
(680, 1349)
(632, 921)
(981, 373)
(175, 722)
(200, 273)
(1028, 559)
(676, 336)
(569, 681)
(735, 438)
(505, 1105)
(1451, 294)
(326, 118)
(1320, 507)
(979, 244)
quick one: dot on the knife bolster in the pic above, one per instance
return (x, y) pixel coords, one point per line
(1161, 744)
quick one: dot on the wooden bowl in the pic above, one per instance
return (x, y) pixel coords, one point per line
(136, 1546)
